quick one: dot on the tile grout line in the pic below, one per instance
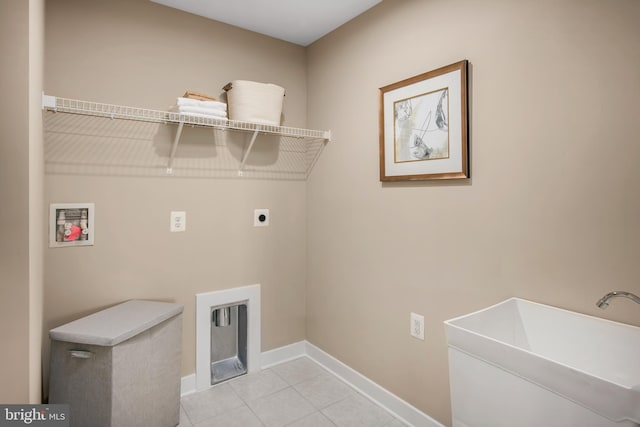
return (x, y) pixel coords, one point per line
(291, 386)
(246, 402)
(254, 414)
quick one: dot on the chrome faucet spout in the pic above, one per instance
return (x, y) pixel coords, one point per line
(604, 301)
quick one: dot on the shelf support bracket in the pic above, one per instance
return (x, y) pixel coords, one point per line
(174, 147)
(246, 153)
(48, 102)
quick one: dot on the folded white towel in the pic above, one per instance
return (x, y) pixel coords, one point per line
(209, 114)
(214, 105)
(200, 110)
(204, 116)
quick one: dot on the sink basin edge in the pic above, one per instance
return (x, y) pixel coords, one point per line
(616, 402)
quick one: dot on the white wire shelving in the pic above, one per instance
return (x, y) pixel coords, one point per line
(96, 109)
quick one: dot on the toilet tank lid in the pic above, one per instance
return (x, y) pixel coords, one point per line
(116, 324)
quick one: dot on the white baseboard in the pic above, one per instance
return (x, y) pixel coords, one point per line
(283, 354)
(188, 385)
(400, 409)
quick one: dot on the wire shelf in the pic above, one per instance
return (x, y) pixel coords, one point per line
(111, 111)
(90, 108)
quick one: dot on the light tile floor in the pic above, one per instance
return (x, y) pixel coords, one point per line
(299, 393)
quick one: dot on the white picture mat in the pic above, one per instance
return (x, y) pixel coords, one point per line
(449, 80)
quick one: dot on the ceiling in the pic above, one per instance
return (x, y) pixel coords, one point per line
(297, 21)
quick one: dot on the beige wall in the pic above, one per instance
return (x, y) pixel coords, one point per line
(14, 292)
(550, 213)
(142, 54)
(21, 215)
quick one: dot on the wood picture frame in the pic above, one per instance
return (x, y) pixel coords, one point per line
(424, 130)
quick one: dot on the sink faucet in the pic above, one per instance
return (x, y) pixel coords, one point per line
(604, 301)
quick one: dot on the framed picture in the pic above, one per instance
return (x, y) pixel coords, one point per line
(70, 224)
(424, 126)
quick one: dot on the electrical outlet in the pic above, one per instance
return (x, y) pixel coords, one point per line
(178, 221)
(261, 217)
(417, 326)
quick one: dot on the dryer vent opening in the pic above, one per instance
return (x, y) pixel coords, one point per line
(228, 342)
(227, 334)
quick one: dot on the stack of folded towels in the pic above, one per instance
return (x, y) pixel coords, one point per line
(201, 108)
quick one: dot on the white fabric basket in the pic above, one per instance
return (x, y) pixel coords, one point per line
(255, 102)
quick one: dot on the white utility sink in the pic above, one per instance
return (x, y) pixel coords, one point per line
(591, 363)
